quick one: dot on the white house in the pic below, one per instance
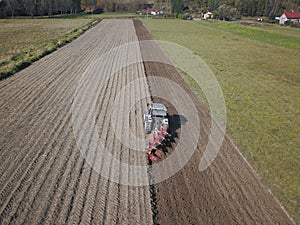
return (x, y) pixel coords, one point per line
(156, 12)
(208, 15)
(292, 16)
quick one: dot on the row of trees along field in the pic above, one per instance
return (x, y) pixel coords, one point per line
(271, 8)
(237, 8)
(12, 8)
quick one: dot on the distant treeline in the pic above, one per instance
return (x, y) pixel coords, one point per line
(12, 8)
(270, 8)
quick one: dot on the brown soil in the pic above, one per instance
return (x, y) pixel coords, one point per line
(43, 177)
(45, 180)
(228, 192)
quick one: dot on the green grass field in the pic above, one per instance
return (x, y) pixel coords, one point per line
(258, 70)
(275, 35)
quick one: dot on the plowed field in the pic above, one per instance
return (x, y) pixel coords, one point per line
(46, 179)
(43, 177)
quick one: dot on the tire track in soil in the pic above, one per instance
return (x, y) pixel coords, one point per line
(43, 178)
(229, 191)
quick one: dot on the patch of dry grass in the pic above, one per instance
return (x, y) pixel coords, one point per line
(23, 41)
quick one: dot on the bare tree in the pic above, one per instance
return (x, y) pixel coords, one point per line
(50, 6)
(3, 9)
(30, 7)
(13, 5)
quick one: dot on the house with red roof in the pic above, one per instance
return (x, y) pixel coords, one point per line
(292, 16)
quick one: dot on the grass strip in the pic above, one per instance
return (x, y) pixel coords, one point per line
(276, 35)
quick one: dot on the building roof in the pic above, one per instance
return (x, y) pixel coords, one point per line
(292, 15)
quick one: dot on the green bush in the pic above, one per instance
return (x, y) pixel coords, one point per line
(180, 16)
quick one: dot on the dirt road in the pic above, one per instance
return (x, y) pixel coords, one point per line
(46, 177)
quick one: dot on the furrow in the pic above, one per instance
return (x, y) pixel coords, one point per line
(20, 156)
(29, 174)
(40, 197)
(44, 178)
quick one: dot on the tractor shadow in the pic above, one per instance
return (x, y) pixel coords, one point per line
(175, 123)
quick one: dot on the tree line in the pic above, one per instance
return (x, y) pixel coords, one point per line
(12, 8)
(238, 8)
(270, 8)
(113, 5)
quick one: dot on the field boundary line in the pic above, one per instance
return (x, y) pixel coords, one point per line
(260, 178)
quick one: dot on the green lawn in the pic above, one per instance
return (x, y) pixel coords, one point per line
(258, 70)
(275, 35)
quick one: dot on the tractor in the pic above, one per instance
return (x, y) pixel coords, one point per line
(155, 116)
